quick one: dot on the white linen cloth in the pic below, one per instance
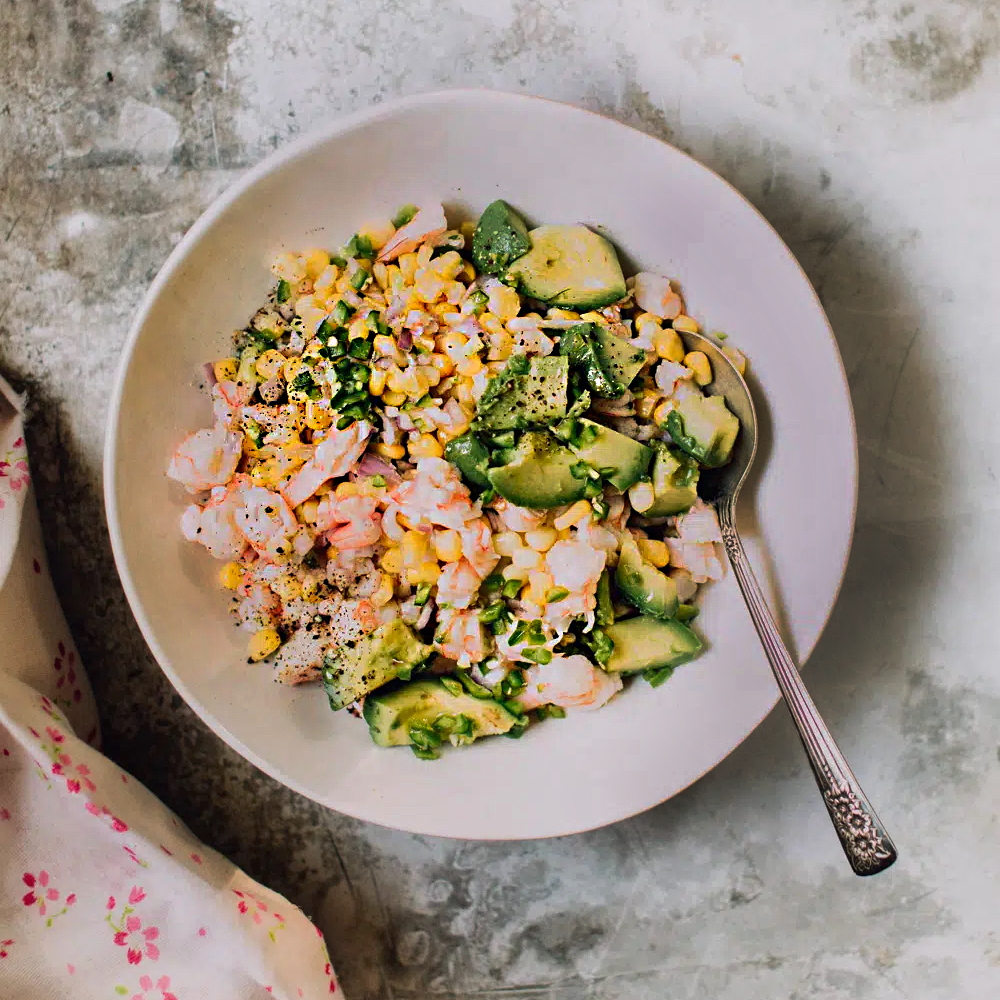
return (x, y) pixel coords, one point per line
(104, 893)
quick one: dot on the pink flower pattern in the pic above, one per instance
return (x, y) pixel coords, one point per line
(160, 989)
(14, 469)
(5, 947)
(42, 893)
(137, 940)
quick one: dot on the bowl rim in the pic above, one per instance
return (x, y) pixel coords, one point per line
(318, 135)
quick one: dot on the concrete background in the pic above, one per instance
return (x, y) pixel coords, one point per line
(866, 131)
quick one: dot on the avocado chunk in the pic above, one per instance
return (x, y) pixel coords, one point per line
(470, 456)
(616, 456)
(675, 482)
(541, 473)
(500, 238)
(622, 359)
(392, 713)
(646, 643)
(643, 585)
(524, 393)
(579, 343)
(350, 672)
(704, 427)
(569, 266)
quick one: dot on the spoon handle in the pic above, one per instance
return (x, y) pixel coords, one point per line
(868, 847)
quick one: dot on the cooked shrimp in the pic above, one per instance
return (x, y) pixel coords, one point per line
(207, 458)
(426, 224)
(686, 587)
(266, 520)
(577, 567)
(699, 524)
(458, 584)
(460, 636)
(653, 294)
(435, 495)
(518, 518)
(568, 681)
(477, 547)
(213, 525)
(259, 607)
(334, 456)
(700, 559)
(350, 522)
(669, 374)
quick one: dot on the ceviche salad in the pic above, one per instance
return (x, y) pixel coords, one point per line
(453, 475)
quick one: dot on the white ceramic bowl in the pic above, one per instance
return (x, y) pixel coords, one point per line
(555, 164)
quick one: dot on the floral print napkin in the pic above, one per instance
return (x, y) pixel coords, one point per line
(104, 893)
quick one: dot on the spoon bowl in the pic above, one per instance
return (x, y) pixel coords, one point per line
(868, 847)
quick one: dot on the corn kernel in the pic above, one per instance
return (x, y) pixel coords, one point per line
(448, 545)
(698, 362)
(292, 367)
(424, 255)
(430, 375)
(381, 274)
(448, 265)
(513, 572)
(442, 364)
(453, 345)
(467, 229)
(392, 561)
(654, 551)
(226, 369)
(594, 317)
(379, 233)
(389, 450)
(501, 346)
(668, 345)
(309, 511)
(565, 534)
(394, 399)
(641, 496)
(414, 548)
(270, 363)
(317, 417)
(316, 261)
(540, 583)
(376, 381)
(578, 511)
(286, 587)
(525, 558)
(326, 283)
(408, 267)
(425, 446)
(467, 274)
(685, 324)
(429, 287)
(507, 543)
(383, 595)
(660, 413)
(469, 367)
(490, 323)
(230, 575)
(562, 314)
(264, 643)
(645, 404)
(312, 588)
(504, 301)
(426, 573)
(289, 266)
(541, 539)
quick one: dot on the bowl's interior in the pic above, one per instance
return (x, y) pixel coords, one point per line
(556, 164)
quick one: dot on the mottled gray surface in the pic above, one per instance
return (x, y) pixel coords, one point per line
(866, 131)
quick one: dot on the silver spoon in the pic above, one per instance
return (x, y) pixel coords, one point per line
(868, 847)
